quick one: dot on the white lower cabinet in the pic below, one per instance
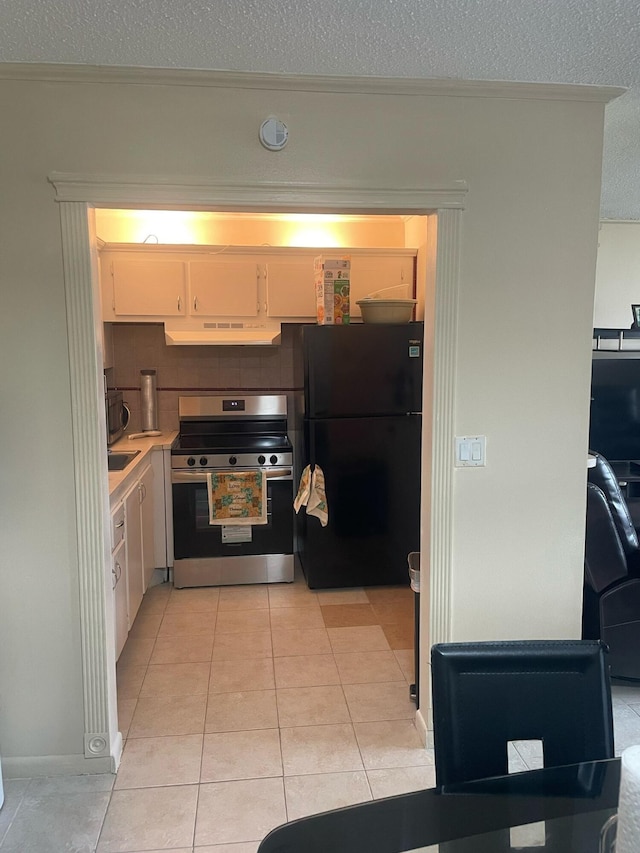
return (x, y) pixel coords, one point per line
(119, 577)
(120, 608)
(133, 539)
(133, 557)
(147, 526)
(138, 507)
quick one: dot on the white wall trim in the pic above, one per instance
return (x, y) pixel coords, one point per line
(619, 222)
(98, 665)
(426, 736)
(164, 190)
(444, 385)
(54, 765)
(408, 86)
(86, 388)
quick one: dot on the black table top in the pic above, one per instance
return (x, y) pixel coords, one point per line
(558, 809)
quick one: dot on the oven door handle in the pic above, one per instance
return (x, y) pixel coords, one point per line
(179, 476)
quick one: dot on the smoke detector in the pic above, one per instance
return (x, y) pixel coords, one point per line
(274, 134)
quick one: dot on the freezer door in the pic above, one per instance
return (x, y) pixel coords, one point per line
(372, 477)
(365, 369)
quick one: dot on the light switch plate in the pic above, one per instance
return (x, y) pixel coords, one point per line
(471, 451)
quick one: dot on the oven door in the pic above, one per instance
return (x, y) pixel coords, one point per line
(194, 537)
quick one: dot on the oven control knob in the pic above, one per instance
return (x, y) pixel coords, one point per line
(203, 461)
(273, 459)
(232, 460)
(191, 461)
(261, 460)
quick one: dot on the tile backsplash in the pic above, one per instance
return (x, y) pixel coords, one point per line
(184, 370)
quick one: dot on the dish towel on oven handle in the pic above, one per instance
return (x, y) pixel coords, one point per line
(312, 495)
(237, 497)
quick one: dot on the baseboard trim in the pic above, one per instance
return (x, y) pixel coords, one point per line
(421, 726)
(27, 767)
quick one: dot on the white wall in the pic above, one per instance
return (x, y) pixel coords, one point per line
(617, 274)
(526, 307)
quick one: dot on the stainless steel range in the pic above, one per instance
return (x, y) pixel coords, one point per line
(231, 433)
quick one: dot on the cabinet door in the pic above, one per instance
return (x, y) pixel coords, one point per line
(120, 610)
(148, 287)
(147, 527)
(117, 526)
(370, 273)
(133, 539)
(291, 288)
(223, 288)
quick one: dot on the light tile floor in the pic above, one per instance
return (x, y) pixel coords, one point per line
(242, 708)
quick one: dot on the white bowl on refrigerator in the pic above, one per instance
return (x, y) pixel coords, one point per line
(386, 310)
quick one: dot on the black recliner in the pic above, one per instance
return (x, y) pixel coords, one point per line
(611, 597)
(603, 476)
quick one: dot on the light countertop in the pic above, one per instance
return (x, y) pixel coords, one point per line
(118, 480)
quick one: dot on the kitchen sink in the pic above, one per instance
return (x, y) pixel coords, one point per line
(119, 461)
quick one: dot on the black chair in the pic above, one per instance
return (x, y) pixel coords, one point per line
(611, 596)
(627, 522)
(487, 694)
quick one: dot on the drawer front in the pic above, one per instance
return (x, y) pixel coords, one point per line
(117, 526)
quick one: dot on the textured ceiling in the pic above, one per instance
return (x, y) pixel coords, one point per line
(555, 41)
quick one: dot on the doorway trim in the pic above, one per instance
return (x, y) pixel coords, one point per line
(77, 196)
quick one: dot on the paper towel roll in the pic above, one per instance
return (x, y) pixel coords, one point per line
(628, 834)
(148, 400)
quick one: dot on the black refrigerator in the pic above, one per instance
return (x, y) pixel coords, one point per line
(362, 426)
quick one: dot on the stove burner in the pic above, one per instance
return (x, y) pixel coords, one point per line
(252, 433)
(228, 443)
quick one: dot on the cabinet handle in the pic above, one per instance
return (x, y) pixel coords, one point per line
(195, 303)
(179, 303)
(120, 524)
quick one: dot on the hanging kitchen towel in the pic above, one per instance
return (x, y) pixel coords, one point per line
(311, 493)
(304, 489)
(237, 497)
(317, 503)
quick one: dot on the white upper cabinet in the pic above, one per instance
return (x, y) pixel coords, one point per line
(223, 287)
(290, 283)
(237, 283)
(290, 286)
(148, 286)
(373, 272)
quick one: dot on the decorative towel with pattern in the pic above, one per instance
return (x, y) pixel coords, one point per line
(311, 493)
(237, 497)
(304, 489)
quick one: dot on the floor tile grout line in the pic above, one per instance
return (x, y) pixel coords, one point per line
(272, 657)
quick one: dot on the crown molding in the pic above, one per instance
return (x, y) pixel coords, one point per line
(605, 221)
(159, 190)
(125, 75)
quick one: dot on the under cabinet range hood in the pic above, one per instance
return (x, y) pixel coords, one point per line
(222, 334)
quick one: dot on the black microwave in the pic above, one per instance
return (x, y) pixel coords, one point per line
(117, 414)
